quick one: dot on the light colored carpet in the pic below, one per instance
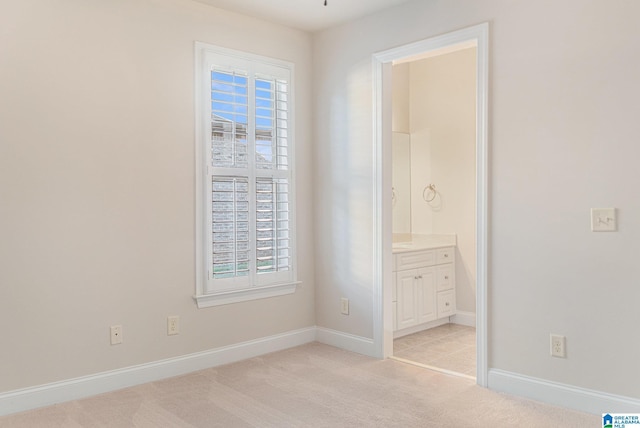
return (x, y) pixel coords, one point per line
(313, 385)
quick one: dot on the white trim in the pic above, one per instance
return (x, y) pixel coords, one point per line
(437, 52)
(235, 296)
(434, 368)
(346, 341)
(213, 292)
(464, 318)
(382, 184)
(382, 231)
(73, 389)
(200, 189)
(482, 208)
(559, 394)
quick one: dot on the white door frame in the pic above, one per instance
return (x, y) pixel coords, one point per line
(382, 320)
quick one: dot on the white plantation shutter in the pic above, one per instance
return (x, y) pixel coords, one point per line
(249, 213)
(272, 226)
(230, 227)
(272, 105)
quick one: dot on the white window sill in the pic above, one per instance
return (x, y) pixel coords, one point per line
(235, 296)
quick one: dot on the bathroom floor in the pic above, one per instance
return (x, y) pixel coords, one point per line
(450, 346)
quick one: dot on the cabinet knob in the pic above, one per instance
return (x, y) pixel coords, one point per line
(446, 304)
(446, 277)
(446, 256)
(416, 277)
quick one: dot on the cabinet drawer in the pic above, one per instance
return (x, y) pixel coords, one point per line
(415, 259)
(444, 277)
(446, 303)
(444, 255)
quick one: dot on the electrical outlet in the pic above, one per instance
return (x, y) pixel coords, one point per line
(116, 334)
(558, 346)
(173, 325)
(344, 306)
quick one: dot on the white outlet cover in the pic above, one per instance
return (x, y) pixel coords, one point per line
(173, 325)
(344, 306)
(116, 334)
(604, 220)
(558, 346)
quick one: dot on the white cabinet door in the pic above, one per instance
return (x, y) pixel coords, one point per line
(406, 308)
(425, 294)
(423, 287)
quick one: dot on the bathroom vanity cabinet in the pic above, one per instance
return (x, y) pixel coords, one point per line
(423, 287)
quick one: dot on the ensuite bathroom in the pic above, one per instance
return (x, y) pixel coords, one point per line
(434, 210)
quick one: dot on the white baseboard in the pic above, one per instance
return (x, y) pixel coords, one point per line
(73, 389)
(464, 318)
(558, 394)
(420, 327)
(349, 342)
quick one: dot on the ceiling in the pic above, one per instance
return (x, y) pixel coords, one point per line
(307, 15)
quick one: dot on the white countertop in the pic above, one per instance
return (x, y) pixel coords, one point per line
(424, 242)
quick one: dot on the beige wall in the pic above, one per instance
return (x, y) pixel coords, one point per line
(563, 130)
(97, 185)
(400, 120)
(97, 181)
(443, 129)
(401, 151)
(401, 185)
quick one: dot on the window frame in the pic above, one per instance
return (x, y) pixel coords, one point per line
(207, 292)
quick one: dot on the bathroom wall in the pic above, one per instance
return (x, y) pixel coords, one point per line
(435, 99)
(401, 181)
(401, 153)
(443, 132)
(400, 98)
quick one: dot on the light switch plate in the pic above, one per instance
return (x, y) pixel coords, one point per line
(603, 220)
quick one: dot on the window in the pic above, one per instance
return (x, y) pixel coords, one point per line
(245, 212)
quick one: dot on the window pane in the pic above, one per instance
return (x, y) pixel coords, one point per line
(265, 124)
(222, 247)
(230, 226)
(271, 109)
(229, 113)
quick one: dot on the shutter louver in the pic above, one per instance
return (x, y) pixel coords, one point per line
(230, 226)
(271, 104)
(272, 225)
(282, 123)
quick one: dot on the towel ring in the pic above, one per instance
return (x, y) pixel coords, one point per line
(429, 193)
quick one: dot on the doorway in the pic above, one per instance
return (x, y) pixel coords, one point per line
(433, 210)
(473, 37)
